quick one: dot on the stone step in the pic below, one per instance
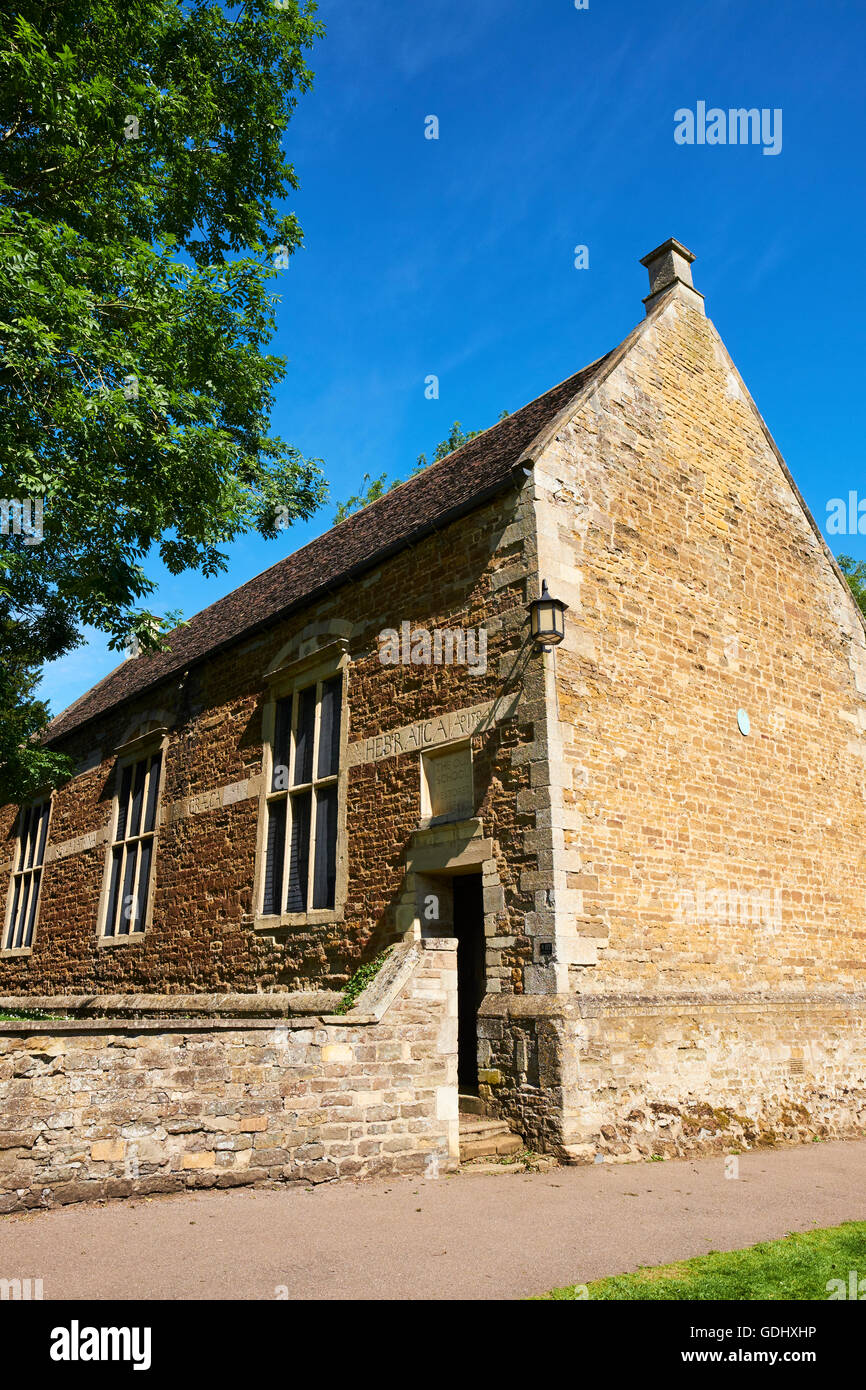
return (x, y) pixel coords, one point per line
(491, 1165)
(471, 1105)
(539, 1163)
(481, 1138)
(498, 1145)
(480, 1124)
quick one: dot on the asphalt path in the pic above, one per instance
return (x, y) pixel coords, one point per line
(471, 1236)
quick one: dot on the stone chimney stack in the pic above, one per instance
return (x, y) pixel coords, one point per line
(671, 264)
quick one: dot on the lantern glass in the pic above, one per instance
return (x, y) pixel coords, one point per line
(546, 619)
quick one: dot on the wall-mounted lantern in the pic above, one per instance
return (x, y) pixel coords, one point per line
(546, 619)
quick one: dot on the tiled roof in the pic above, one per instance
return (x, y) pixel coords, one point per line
(429, 499)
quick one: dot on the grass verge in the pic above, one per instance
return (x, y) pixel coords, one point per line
(800, 1266)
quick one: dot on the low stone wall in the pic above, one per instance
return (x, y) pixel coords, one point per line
(634, 1078)
(99, 1107)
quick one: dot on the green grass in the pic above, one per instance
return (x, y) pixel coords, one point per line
(797, 1267)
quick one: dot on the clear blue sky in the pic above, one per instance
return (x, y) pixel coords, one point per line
(455, 256)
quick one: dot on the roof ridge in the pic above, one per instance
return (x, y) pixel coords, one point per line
(465, 445)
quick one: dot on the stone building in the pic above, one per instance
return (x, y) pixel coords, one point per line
(648, 841)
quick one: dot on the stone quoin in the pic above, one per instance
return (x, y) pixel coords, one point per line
(623, 879)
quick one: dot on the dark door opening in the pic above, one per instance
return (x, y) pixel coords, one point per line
(471, 978)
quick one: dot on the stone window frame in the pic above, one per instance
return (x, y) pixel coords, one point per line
(17, 871)
(146, 743)
(287, 680)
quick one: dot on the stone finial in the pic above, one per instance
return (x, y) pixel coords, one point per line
(670, 264)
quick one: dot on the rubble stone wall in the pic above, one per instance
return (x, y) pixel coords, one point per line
(93, 1108)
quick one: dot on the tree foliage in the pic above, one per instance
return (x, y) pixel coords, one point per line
(141, 176)
(370, 491)
(855, 573)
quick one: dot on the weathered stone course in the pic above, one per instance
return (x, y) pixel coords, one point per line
(619, 1079)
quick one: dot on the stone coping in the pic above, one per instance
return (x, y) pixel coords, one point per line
(167, 1005)
(200, 1012)
(624, 1003)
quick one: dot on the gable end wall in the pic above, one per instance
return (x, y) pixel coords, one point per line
(720, 879)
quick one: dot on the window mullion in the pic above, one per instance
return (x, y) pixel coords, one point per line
(145, 792)
(23, 909)
(15, 897)
(311, 854)
(287, 845)
(127, 808)
(290, 772)
(132, 918)
(311, 860)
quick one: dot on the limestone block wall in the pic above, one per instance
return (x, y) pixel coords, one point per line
(697, 856)
(117, 1106)
(678, 1078)
(630, 1078)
